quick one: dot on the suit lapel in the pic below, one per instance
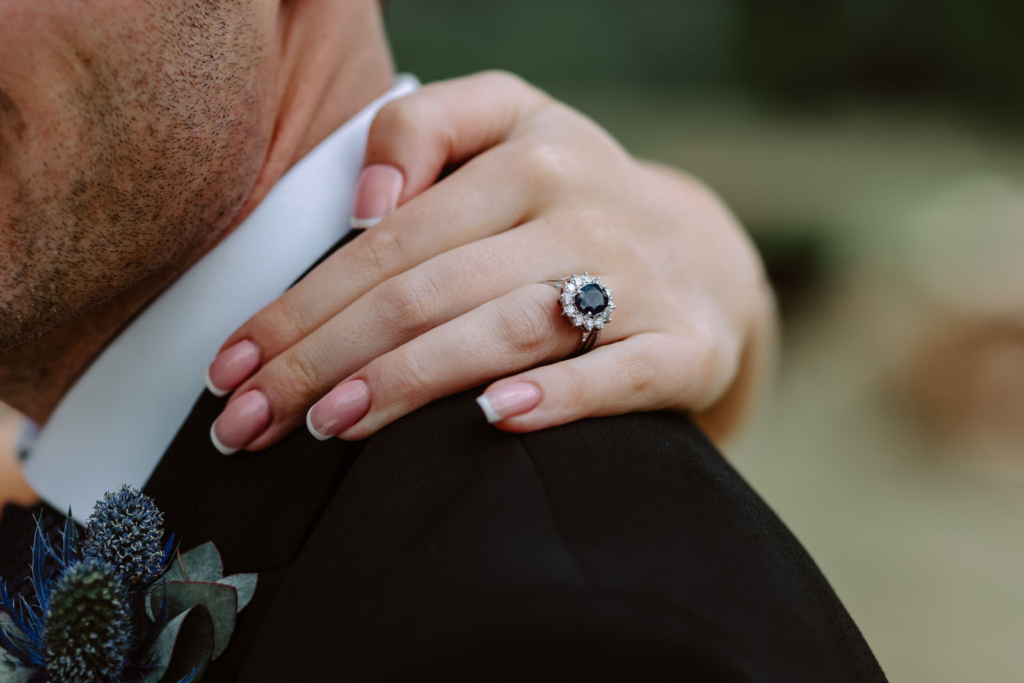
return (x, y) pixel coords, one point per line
(257, 507)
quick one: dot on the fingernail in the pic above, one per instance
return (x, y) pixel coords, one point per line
(242, 421)
(337, 411)
(231, 367)
(377, 192)
(509, 400)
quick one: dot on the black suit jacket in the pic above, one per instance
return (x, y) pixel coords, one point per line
(622, 548)
(613, 549)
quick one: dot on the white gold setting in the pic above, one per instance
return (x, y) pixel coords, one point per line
(582, 314)
(585, 320)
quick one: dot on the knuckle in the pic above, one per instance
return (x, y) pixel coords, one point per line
(298, 378)
(407, 117)
(411, 379)
(575, 383)
(399, 377)
(381, 251)
(552, 167)
(408, 305)
(527, 328)
(502, 78)
(275, 327)
(596, 220)
(639, 374)
(599, 229)
(280, 323)
(528, 96)
(576, 380)
(705, 357)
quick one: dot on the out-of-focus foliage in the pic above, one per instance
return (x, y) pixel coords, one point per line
(692, 43)
(961, 51)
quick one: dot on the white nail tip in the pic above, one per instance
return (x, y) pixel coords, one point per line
(218, 445)
(312, 429)
(363, 223)
(489, 412)
(219, 393)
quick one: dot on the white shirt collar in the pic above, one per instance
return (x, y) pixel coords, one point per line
(117, 421)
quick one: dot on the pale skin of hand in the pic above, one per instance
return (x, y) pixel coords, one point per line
(444, 293)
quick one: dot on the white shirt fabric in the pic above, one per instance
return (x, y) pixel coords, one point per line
(119, 418)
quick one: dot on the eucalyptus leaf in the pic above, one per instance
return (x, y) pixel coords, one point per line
(220, 600)
(184, 645)
(245, 584)
(203, 563)
(11, 672)
(18, 675)
(176, 571)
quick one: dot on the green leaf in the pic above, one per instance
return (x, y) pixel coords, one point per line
(15, 675)
(220, 600)
(177, 570)
(203, 563)
(12, 673)
(245, 584)
(184, 644)
(11, 670)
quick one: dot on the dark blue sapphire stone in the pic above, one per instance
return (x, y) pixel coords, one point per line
(591, 299)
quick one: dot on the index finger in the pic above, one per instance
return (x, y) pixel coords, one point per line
(441, 124)
(446, 123)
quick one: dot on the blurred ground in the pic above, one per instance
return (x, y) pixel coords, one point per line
(913, 514)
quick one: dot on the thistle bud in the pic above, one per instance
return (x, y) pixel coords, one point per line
(87, 634)
(125, 531)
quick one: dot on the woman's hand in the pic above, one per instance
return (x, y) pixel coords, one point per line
(444, 293)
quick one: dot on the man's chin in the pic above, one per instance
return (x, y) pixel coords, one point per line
(19, 328)
(12, 339)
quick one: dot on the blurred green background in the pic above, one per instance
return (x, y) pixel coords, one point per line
(873, 150)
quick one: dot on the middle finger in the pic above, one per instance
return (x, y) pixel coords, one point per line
(489, 194)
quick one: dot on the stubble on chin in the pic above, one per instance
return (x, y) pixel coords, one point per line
(166, 153)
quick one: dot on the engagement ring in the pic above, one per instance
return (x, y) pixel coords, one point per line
(587, 304)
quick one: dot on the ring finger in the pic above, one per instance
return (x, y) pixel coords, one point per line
(520, 330)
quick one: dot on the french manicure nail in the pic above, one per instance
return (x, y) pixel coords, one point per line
(345, 405)
(231, 367)
(242, 421)
(509, 400)
(377, 192)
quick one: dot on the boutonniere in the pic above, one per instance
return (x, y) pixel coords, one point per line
(119, 605)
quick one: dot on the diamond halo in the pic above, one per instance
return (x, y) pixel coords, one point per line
(586, 302)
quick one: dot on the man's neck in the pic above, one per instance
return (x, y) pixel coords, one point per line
(314, 102)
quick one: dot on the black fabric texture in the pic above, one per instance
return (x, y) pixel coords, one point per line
(617, 549)
(17, 534)
(620, 548)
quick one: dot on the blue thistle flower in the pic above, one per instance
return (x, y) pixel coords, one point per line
(21, 630)
(125, 530)
(87, 635)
